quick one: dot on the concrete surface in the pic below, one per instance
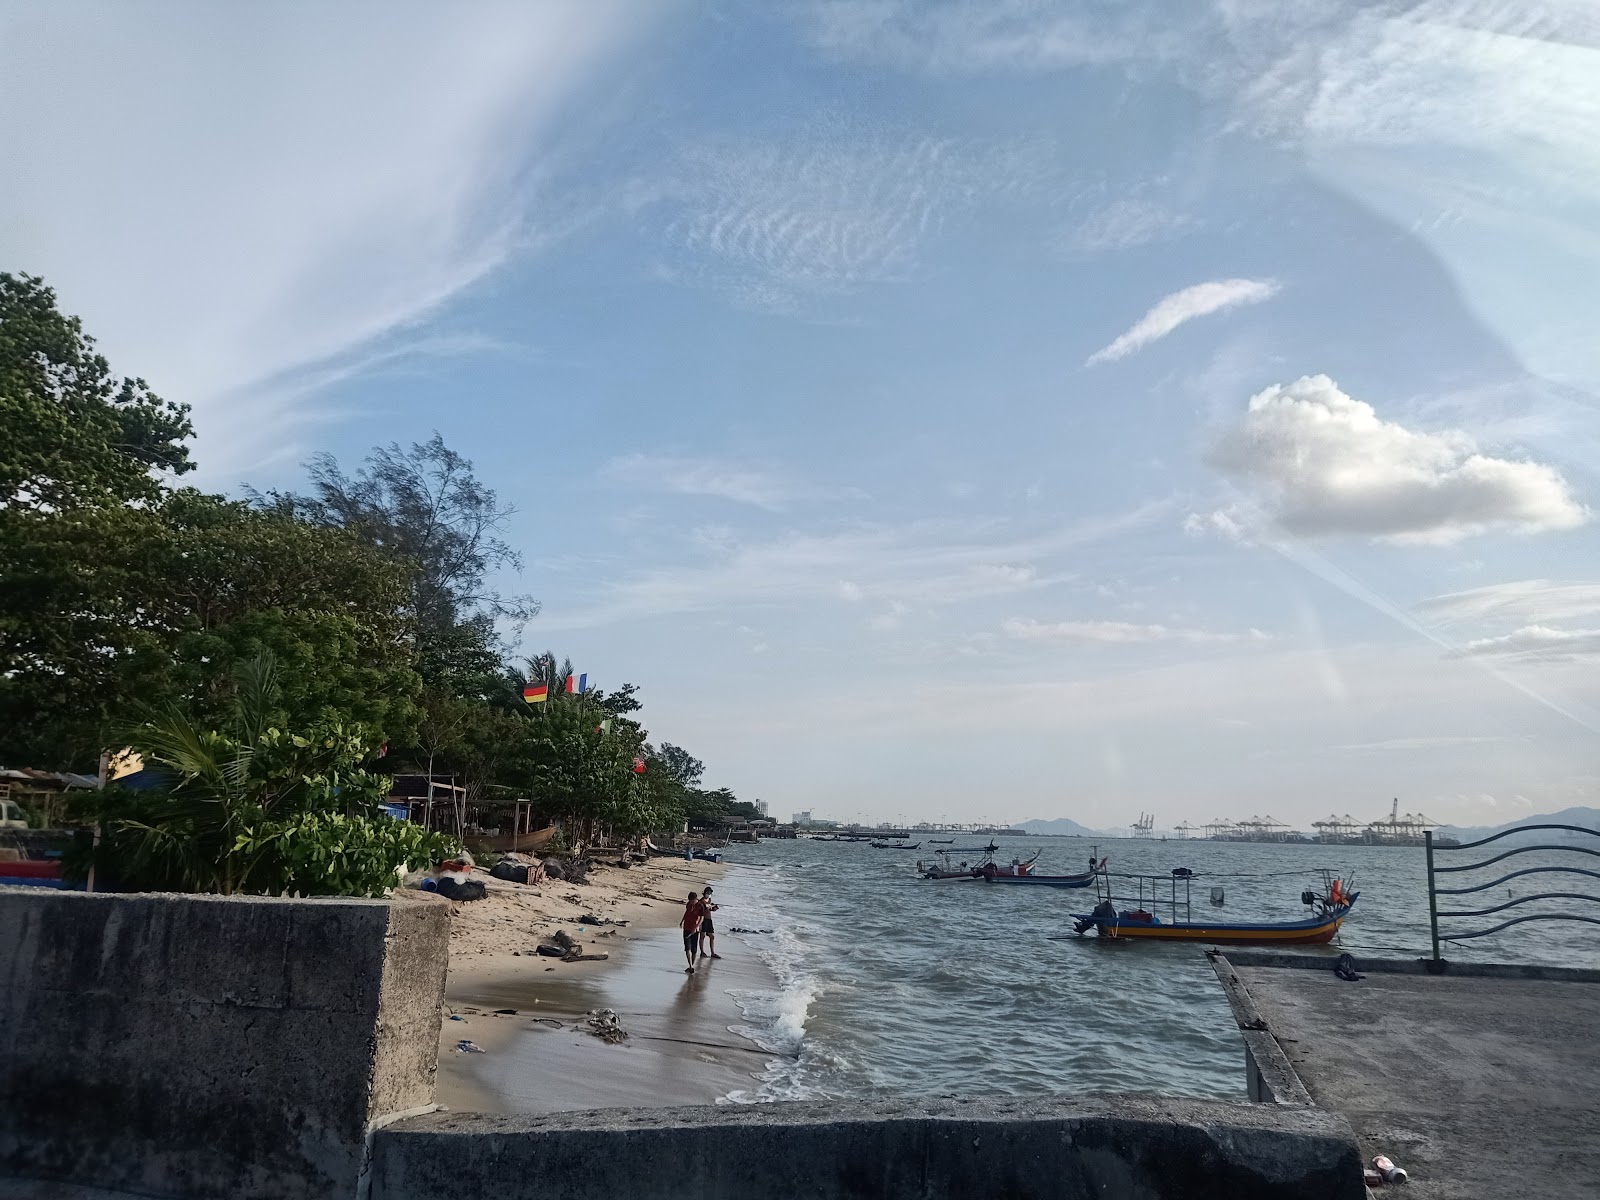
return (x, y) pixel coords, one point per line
(205, 1046)
(1478, 1086)
(1108, 1148)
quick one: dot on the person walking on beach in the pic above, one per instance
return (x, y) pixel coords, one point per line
(694, 911)
(708, 930)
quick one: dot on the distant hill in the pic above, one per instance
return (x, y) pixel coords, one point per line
(1588, 818)
(1060, 827)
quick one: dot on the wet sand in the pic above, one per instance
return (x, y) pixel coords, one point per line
(541, 1059)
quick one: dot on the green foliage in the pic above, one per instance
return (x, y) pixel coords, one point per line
(255, 807)
(75, 436)
(102, 610)
(125, 601)
(425, 507)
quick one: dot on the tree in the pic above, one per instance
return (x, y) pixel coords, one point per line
(75, 435)
(254, 806)
(682, 766)
(424, 506)
(105, 608)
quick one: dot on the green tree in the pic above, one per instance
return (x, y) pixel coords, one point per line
(254, 806)
(105, 609)
(425, 507)
(75, 435)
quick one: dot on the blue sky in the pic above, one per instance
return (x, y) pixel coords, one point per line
(990, 410)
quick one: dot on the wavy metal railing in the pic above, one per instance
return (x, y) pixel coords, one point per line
(1435, 891)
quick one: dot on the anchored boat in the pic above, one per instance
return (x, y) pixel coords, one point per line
(1081, 880)
(943, 867)
(1329, 909)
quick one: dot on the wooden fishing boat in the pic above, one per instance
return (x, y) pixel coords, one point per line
(943, 868)
(1053, 881)
(1320, 927)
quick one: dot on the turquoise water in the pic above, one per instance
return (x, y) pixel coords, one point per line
(892, 985)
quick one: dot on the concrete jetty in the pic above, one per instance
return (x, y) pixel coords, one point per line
(194, 1047)
(1480, 1081)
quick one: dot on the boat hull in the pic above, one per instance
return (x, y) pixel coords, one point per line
(1049, 881)
(1290, 933)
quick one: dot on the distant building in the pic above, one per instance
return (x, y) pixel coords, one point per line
(803, 819)
(761, 807)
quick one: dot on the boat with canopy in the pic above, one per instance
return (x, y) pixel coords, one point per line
(1329, 908)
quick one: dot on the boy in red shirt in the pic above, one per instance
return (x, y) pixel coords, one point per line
(694, 911)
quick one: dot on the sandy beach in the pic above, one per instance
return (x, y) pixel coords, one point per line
(537, 1052)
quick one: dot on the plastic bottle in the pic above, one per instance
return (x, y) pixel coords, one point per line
(1390, 1172)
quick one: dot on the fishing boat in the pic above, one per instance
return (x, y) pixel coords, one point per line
(944, 868)
(896, 846)
(941, 841)
(1028, 877)
(1329, 909)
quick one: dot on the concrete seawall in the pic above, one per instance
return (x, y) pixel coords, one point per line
(1100, 1147)
(205, 1046)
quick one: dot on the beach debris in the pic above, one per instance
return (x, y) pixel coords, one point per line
(1387, 1170)
(741, 929)
(547, 1021)
(505, 1012)
(467, 1046)
(454, 1017)
(603, 1023)
(472, 889)
(586, 958)
(591, 919)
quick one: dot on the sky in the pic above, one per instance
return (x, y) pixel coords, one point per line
(954, 410)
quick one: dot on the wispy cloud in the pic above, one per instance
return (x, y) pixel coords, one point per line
(1325, 464)
(1421, 743)
(294, 192)
(927, 563)
(1533, 601)
(1169, 312)
(1122, 225)
(687, 476)
(1538, 642)
(1115, 632)
(833, 207)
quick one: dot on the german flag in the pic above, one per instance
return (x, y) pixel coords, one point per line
(536, 693)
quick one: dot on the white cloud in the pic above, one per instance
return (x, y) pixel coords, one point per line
(1323, 463)
(1169, 312)
(978, 35)
(1114, 632)
(230, 193)
(1539, 641)
(686, 476)
(777, 221)
(1421, 743)
(889, 619)
(1533, 601)
(1122, 225)
(936, 561)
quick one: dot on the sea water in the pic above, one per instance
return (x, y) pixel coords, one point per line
(891, 985)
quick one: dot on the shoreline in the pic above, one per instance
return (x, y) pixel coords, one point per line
(540, 1058)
